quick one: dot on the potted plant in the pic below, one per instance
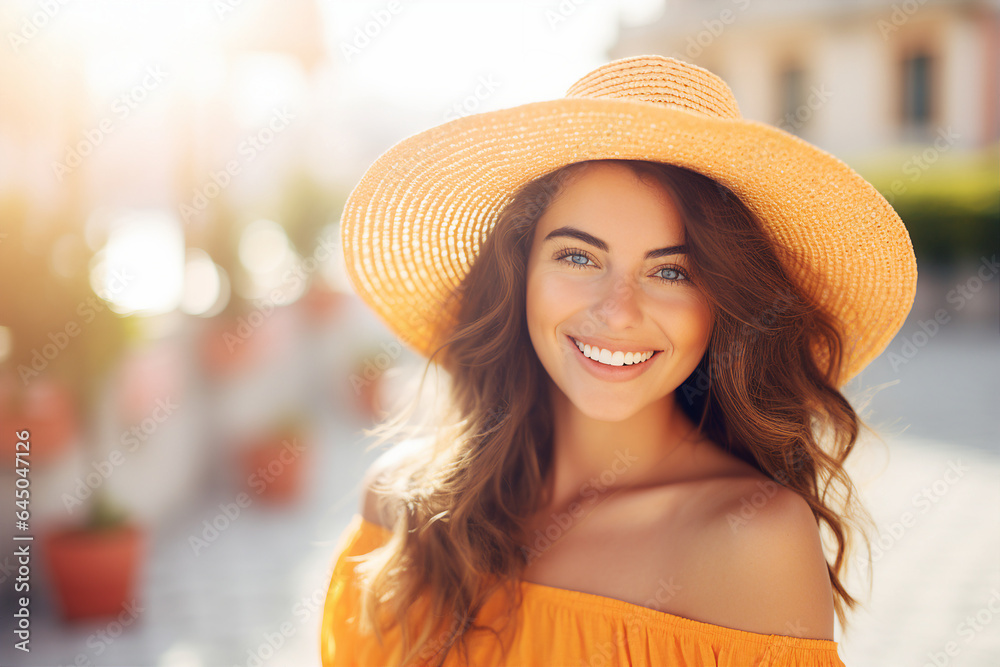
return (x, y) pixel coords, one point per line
(47, 409)
(64, 341)
(94, 567)
(274, 462)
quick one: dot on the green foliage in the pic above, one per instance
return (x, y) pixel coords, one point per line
(950, 206)
(947, 227)
(59, 327)
(105, 514)
(45, 308)
(293, 425)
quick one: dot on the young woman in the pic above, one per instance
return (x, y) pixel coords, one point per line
(645, 308)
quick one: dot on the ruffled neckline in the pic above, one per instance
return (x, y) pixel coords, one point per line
(654, 617)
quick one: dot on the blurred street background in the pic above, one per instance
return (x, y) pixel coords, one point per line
(179, 337)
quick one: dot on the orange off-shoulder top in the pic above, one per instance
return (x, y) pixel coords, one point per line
(556, 626)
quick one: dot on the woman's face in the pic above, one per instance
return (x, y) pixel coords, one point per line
(606, 269)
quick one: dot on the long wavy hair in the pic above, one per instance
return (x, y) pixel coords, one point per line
(473, 470)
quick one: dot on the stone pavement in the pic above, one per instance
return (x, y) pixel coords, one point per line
(935, 596)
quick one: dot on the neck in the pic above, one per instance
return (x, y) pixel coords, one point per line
(591, 455)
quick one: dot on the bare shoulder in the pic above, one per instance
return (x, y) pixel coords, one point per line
(376, 494)
(768, 562)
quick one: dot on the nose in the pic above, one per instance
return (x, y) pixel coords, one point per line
(620, 305)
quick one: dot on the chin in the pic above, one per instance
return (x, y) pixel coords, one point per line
(605, 409)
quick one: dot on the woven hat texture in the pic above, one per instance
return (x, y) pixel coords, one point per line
(413, 225)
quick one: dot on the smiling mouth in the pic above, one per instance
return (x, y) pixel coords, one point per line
(609, 358)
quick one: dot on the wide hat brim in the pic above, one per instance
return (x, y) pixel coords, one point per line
(413, 225)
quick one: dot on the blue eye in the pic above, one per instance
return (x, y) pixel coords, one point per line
(581, 260)
(572, 254)
(675, 274)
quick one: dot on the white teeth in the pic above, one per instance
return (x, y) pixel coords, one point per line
(617, 358)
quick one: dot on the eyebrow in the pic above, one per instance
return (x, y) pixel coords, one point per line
(579, 234)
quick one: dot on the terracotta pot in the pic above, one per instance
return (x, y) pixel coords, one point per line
(274, 469)
(93, 573)
(48, 413)
(320, 301)
(224, 350)
(230, 344)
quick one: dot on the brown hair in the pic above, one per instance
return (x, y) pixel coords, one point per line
(764, 390)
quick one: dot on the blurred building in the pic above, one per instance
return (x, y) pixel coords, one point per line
(857, 78)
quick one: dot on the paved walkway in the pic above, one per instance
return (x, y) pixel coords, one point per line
(935, 596)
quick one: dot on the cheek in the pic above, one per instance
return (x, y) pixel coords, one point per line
(701, 323)
(550, 299)
(689, 322)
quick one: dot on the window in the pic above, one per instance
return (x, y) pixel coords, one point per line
(916, 90)
(794, 111)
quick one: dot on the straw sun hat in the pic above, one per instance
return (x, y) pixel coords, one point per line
(413, 225)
